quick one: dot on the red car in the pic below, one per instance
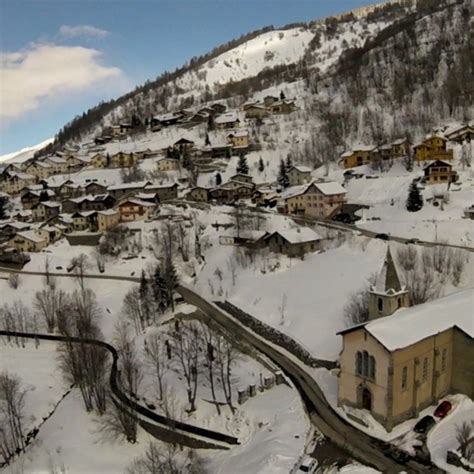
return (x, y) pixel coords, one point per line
(443, 409)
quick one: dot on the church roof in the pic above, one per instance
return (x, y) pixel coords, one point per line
(387, 280)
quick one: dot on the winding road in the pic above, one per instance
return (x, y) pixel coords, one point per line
(364, 448)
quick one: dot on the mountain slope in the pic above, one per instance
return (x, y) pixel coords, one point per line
(25, 153)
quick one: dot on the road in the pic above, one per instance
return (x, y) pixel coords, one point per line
(362, 447)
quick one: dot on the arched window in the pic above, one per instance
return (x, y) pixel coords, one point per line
(380, 304)
(404, 377)
(399, 302)
(359, 363)
(372, 367)
(365, 364)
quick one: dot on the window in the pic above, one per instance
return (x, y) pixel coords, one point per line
(372, 367)
(359, 363)
(399, 302)
(404, 377)
(444, 357)
(380, 304)
(425, 369)
(365, 363)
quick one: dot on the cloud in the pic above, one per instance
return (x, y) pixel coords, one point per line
(45, 71)
(82, 30)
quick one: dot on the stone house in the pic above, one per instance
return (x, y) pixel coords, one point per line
(100, 161)
(16, 182)
(291, 242)
(58, 164)
(167, 164)
(28, 241)
(40, 169)
(107, 219)
(198, 194)
(256, 111)
(45, 210)
(299, 175)
(320, 200)
(439, 172)
(404, 359)
(432, 148)
(239, 139)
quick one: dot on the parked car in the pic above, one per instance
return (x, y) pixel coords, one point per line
(413, 241)
(382, 236)
(308, 464)
(425, 424)
(443, 409)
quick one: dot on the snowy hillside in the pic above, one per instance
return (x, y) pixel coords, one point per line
(25, 153)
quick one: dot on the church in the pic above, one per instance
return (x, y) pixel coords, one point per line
(404, 358)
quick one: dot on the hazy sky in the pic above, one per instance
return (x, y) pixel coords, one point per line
(60, 57)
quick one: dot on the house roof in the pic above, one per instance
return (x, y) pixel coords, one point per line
(438, 163)
(49, 204)
(137, 202)
(330, 188)
(183, 140)
(238, 133)
(360, 147)
(400, 141)
(301, 169)
(30, 235)
(297, 236)
(136, 184)
(228, 117)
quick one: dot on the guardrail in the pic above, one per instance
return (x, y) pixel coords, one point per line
(157, 425)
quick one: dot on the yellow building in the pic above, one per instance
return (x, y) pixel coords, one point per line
(99, 161)
(58, 164)
(39, 169)
(395, 366)
(239, 139)
(123, 160)
(28, 241)
(358, 156)
(432, 148)
(107, 219)
(167, 164)
(16, 182)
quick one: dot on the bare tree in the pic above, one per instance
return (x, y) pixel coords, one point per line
(356, 310)
(14, 280)
(79, 266)
(49, 280)
(156, 357)
(167, 459)
(48, 302)
(465, 438)
(209, 340)
(12, 404)
(182, 237)
(226, 357)
(133, 310)
(186, 350)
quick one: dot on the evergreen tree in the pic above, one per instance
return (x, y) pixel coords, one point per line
(159, 289)
(283, 180)
(207, 142)
(3, 207)
(210, 122)
(282, 95)
(218, 179)
(242, 167)
(415, 199)
(289, 162)
(170, 279)
(44, 196)
(261, 165)
(145, 297)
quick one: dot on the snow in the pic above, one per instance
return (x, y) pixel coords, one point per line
(330, 189)
(424, 320)
(30, 235)
(299, 235)
(25, 153)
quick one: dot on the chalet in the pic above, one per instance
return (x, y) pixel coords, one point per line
(164, 192)
(358, 156)
(166, 120)
(198, 194)
(460, 133)
(394, 373)
(147, 197)
(9, 229)
(321, 200)
(432, 148)
(400, 147)
(227, 120)
(30, 198)
(242, 178)
(221, 150)
(123, 160)
(199, 117)
(82, 220)
(57, 163)
(232, 191)
(28, 241)
(183, 145)
(239, 139)
(269, 100)
(167, 164)
(40, 169)
(89, 202)
(22, 216)
(93, 187)
(299, 175)
(73, 163)
(50, 233)
(282, 107)
(68, 189)
(292, 242)
(16, 182)
(218, 108)
(255, 111)
(107, 219)
(45, 210)
(117, 191)
(134, 210)
(439, 172)
(100, 161)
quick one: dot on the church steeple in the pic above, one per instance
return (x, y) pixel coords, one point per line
(388, 294)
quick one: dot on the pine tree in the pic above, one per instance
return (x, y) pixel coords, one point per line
(282, 95)
(159, 289)
(170, 278)
(207, 142)
(243, 167)
(289, 162)
(283, 180)
(218, 179)
(261, 165)
(415, 199)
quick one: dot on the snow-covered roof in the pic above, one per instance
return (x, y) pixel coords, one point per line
(108, 212)
(301, 169)
(400, 141)
(24, 176)
(16, 225)
(56, 159)
(410, 325)
(294, 191)
(51, 204)
(300, 235)
(137, 202)
(227, 118)
(30, 235)
(330, 188)
(136, 184)
(360, 147)
(239, 133)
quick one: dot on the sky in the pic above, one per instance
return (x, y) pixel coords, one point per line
(58, 58)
